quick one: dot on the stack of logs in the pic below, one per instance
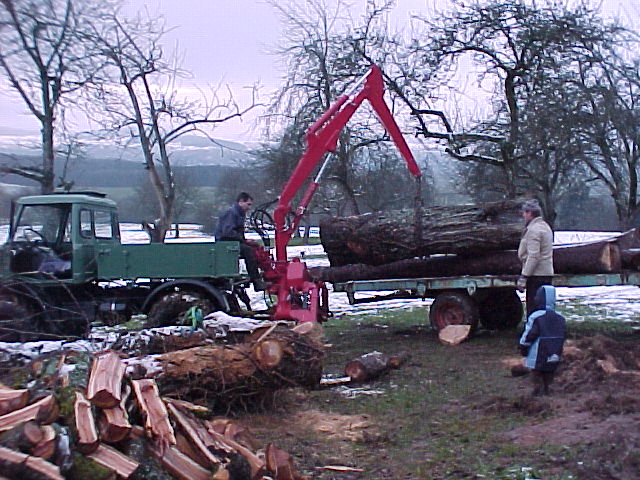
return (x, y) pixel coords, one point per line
(110, 424)
(452, 241)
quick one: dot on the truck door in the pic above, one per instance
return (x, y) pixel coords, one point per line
(97, 233)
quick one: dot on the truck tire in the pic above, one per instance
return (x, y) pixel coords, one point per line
(501, 309)
(453, 308)
(170, 308)
(16, 322)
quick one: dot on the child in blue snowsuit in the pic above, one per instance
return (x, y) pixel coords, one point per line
(542, 339)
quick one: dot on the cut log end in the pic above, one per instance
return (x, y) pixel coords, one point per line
(454, 334)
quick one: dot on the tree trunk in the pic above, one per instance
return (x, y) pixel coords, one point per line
(597, 257)
(379, 238)
(266, 361)
(372, 365)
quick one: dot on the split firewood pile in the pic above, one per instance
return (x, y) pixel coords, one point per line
(479, 239)
(106, 416)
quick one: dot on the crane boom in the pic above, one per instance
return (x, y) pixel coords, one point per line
(299, 298)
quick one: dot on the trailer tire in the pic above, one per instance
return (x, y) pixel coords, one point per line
(453, 308)
(501, 309)
(170, 308)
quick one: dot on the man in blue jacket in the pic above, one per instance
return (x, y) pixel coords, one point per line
(543, 339)
(231, 227)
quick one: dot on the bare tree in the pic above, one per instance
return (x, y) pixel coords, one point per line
(516, 50)
(609, 123)
(139, 95)
(322, 62)
(42, 56)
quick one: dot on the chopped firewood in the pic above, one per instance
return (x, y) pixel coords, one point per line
(11, 400)
(185, 446)
(332, 382)
(454, 334)
(256, 464)
(85, 425)
(105, 381)
(46, 447)
(341, 468)
(156, 417)
(192, 407)
(221, 474)
(180, 465)
(114, 460)
(113, 423)
(193, 433)
(23, 436)
(44, 411)
(372, 365)
(20, 465)
(280, 464)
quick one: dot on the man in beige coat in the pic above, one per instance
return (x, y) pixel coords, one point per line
(535, 252)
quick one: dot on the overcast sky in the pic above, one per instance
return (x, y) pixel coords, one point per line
(231, 41)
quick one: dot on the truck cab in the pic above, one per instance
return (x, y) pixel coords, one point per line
(64, 266)
(57, 236)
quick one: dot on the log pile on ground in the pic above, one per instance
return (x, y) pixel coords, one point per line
(617, 253)
(83, 417)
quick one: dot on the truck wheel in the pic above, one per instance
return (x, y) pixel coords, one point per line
(453, 308)
(170, 309)
(15, 322)
(501, 309)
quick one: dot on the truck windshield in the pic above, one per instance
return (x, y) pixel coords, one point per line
(45, 223)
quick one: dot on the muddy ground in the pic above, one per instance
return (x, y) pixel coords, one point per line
(457, 413)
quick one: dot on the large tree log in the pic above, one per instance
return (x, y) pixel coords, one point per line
(596, 257)
(264, 362)
(378, 238)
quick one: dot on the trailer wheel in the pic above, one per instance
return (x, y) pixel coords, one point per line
(16, 322)
(501, 309)
(170, 308)
(453, 308)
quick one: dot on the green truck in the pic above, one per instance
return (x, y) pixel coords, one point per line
(64, 266)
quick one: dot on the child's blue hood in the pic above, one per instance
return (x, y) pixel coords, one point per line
(545, 298)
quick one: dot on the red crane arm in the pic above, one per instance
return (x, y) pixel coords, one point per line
(322, 137)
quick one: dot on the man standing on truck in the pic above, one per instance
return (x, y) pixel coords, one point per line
(535, 252)
(231, 227)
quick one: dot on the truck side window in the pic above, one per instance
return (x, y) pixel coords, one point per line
(86, 231)
(103, 224)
